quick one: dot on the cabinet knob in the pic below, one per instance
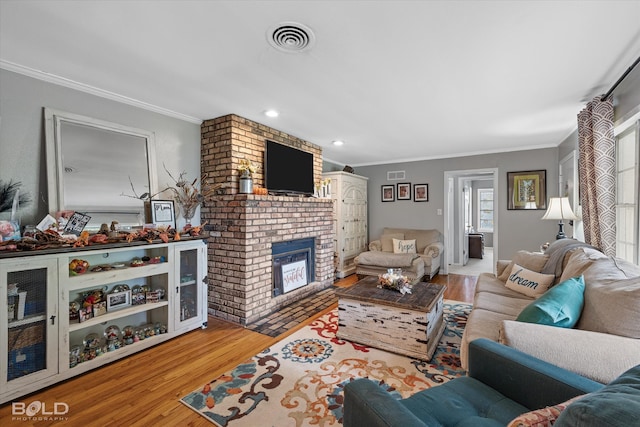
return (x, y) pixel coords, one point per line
(53, 319)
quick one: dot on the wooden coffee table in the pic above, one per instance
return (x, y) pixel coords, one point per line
(410, 324)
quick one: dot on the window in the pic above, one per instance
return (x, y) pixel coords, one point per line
(627, 188)
(485, 210)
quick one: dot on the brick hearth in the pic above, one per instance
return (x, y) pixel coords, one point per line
(244, 226)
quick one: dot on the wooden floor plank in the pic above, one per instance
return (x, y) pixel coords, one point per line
(144, 389)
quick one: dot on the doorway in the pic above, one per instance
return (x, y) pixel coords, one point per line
(462, 217)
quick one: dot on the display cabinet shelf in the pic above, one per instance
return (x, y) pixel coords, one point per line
(90, 279)
(26, 321)
(116, 315)
(120, 353)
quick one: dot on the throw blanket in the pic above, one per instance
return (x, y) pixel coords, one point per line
(556, 251)
(386, 259)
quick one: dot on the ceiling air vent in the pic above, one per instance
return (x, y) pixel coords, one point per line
(395, 175)
(291, 37)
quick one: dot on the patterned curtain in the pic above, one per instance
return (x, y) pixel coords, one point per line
(596, 169)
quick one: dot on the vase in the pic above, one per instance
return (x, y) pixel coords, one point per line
(188, 212)
(246, 183)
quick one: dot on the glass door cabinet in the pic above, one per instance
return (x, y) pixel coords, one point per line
(29, 323)
(190, 292)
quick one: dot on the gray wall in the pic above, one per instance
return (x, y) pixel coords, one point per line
(516, 229)
(329, 166)
(22, 144)
(568, 145)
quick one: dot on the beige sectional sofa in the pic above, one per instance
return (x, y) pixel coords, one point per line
(425, 262)
(604, 343)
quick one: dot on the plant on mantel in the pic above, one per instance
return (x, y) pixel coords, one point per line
(246, 168)
(187, 194)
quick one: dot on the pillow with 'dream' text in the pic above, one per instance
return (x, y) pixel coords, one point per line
(528, 282)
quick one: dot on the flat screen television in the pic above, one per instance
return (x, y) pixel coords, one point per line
(287, 169)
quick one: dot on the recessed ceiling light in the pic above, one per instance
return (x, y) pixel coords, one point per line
(338, 142)
(271, 113)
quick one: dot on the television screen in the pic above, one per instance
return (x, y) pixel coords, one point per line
(287, 169)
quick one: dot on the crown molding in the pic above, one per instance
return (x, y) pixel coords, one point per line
(61, 81)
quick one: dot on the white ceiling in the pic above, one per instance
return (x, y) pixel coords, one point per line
(396, 80)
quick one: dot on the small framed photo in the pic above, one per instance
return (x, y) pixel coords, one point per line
(152, 297)
(138, 298)
(388, 193)
(118, 300)
(76, 223)
(99, 308)
(404, 191)
(162, 212)
(421, 192)
(85, 314)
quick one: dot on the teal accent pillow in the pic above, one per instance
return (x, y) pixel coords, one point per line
(560, 306)
(615, 405)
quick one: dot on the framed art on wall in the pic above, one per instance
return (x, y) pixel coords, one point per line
(527, 190)
(388, 193)
(404, 191)
(421, 192)
(162, 213)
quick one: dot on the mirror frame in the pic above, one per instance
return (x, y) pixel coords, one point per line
(54, 141)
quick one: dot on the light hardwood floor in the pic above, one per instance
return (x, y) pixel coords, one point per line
(144, 389)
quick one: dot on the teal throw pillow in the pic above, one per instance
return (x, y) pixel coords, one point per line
(616, 404)
(560, 306)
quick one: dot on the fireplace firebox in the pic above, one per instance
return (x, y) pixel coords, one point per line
(293, 264)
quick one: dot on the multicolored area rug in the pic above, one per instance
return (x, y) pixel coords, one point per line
(299, 381)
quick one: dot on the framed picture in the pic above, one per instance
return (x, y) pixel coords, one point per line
(421, 192)
(388, 193)
(138, 298)
(99, 308)
(76, 223)
(527, 190)
(404, 191)
(162, 213)
(118, 300)
(85, 314)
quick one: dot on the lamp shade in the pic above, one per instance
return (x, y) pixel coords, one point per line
(559, 208)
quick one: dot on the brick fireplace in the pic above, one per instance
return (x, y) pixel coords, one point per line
(244, 227)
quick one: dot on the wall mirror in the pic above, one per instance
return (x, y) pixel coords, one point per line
(93, 164)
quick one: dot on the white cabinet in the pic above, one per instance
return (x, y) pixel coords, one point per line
(29, 323)
(58, 334)
(350, 218)
(190, 302)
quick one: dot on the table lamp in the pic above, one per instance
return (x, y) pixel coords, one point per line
(559, 208)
